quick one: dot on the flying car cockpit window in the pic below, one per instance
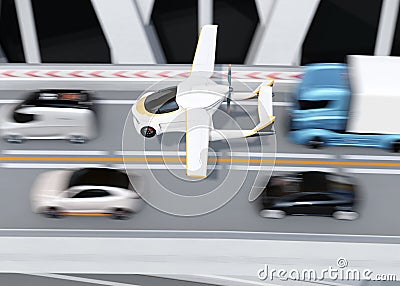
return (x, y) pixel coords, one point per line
(162, 101)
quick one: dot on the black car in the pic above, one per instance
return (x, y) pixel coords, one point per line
(310, 193)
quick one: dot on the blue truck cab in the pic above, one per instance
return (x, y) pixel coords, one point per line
(320, 111)
(322, 98)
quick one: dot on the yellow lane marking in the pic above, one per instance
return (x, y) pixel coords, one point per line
(217, 160)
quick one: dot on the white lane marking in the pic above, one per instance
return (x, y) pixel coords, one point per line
(242, 281)
(48, 166)
(159, 167)
(115, 101)
(255, 103)
(221, 167)
(182, 167)
(179, 231)
(372, 171)
(282, 103)
(285, 155)
(149, 166)
(54, 152)
(9, 101)
(133, 101)
(371, 157)
(238, 154)
(80, 279)
(150, 153)
(280, 169)
(98, 101)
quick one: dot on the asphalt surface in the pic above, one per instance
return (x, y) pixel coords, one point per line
(84, 280)
(378, 207)
(147, 280)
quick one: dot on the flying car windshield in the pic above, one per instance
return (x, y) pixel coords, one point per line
(162, 101)
(99, 177)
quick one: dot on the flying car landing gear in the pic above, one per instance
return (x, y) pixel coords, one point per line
(148, 131)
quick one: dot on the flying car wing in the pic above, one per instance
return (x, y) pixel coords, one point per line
(199, 90)
(198, 124)
(204, 57)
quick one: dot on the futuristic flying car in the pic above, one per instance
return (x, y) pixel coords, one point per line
(50, 114)
(189, 107)
(90, 191)
(310, 193)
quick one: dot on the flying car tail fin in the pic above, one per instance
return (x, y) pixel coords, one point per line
(265, 111)
(265, 115)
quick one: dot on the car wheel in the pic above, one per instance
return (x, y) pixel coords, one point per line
(148, 131)
(272, 213)
(345, 215)
(14, 139)
(52, 212)
(396, 146)
(316, 142)
(77, 139)
(121, 214)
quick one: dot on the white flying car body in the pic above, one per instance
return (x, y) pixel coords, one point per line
(189, 107)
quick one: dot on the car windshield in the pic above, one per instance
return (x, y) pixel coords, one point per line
(57, 98)
(99, 177)
(162, 101)
(341, 185)
(333, 77)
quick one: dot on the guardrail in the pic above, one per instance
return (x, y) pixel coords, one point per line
(121, 77)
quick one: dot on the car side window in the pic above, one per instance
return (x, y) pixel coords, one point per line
(294, 198)
(21, 117)
(317, 197)
(94, 193)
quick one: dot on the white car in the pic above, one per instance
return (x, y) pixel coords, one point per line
(89, 192)
(50, 114)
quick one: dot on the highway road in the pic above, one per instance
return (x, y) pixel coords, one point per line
(376, 171)
(145, 280)
(84, 280)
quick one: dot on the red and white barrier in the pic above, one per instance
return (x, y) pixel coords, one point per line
(141, 74)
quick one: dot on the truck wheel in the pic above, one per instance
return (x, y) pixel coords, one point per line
(148, 131)
(396, 146)
(316, 142)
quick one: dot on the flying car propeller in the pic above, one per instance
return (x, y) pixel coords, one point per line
(229, 97)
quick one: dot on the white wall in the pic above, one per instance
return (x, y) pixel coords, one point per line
(284, 32)
(124, 30)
